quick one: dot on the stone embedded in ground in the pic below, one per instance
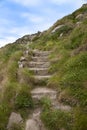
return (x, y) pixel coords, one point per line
(80, 16)
(20, 64)
(35, 122)
(56, 28)
(14, 118)
(26, 52)
(22, 59)
(57, 105)
(61, 34)
(31, 124)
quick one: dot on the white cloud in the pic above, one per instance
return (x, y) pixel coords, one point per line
(10, 30)
(34, 18)
(78, 3)
(75, 4)
(28, 2)
(53, 14)
(6, 40)
(58, 2)
(21, 31)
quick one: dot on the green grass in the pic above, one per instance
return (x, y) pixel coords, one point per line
(56, 119)
(80, 122)
(8, 50)
(17, 127)
(26, 76)
(23, 98)
(4, 113)
(45, 103)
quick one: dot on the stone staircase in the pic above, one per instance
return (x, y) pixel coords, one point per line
(40, 64)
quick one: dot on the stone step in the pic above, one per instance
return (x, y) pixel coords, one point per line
(39, 64)
(39, 59)
(60, 106)
(41, 53)
(38, 77)
(38, 93)
(39, 71)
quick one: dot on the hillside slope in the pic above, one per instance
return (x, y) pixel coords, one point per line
(65, 45)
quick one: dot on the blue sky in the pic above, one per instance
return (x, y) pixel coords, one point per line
(21, 17)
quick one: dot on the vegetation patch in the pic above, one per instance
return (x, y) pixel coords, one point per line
(56, 119)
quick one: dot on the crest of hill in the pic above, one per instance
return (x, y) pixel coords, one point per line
(68, 23)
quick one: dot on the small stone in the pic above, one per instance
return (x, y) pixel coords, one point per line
(27, 52)
(78, 23)
(62, 129)
(21, 65)
(61, 34)
(14, 118)
(22, 59)
(26, 38)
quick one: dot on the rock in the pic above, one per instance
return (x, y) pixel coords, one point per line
(78, 23)
(58, 27)
(26, 52)
(84, 5)
(62, 129)
(22, 59)
(31, 124)
(14, 118)
(25, 38)
(61, 106)
(35, 122)
(80, 16)
(20, 64)
(80, 49)
(61, 34)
